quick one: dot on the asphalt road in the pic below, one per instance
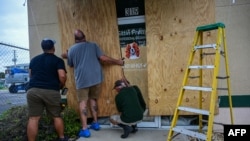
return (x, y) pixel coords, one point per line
(8, 100)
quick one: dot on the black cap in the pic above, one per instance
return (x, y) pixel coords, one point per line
(47, 43)
(118, 83)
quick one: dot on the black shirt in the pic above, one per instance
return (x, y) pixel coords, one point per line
(44, 73)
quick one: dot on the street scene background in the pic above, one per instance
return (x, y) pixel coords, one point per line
(12, 56)
(9, 100)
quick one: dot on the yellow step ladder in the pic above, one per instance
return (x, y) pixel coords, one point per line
(199, 51)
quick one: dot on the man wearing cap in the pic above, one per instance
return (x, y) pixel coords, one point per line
(47, 76)
(130, 104)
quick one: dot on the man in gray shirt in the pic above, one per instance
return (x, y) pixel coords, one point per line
(85, 58)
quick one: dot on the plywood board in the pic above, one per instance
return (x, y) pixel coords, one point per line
(170, 29)
(97, 18)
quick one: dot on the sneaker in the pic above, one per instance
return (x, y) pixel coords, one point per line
(84, 133)
(95, 126)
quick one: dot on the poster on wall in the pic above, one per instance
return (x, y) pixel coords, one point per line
(129, 33)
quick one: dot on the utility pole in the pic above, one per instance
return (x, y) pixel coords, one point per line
(14, 59)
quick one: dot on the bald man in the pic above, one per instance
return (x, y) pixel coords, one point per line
(86, 57)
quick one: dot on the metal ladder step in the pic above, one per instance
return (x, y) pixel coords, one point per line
(222, 77)
(193, 110)
(202, 67)
(190, 133)
(205, 46)
(197, 88)
(206, 121)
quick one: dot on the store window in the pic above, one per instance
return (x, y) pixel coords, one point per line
(131, 22)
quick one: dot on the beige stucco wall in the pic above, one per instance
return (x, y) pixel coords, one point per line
(43, 22)
(236, 18)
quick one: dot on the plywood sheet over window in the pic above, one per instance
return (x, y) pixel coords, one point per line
(97, 18)
(170, 26)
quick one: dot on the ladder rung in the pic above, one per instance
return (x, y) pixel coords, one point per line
(194, 110)
(202, 67)
(206, 121)
(205, 46)
(197, 88)
(222, 88)
(208, 54)
(221, 77)
(190, 133)
(221, 52)
(193, 77)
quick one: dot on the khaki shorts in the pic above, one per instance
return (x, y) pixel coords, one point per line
(92, 92)
(40, 99)
(118, 119)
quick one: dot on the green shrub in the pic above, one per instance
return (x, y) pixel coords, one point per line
(13, 124)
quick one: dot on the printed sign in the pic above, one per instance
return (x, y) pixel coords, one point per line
(130, 33)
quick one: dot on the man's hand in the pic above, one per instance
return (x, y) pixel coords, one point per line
(121, 62)
(113, 121)
(65, 55)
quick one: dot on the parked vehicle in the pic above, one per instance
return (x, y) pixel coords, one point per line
(17, 77)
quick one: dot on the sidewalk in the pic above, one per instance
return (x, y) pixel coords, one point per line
(143, 134)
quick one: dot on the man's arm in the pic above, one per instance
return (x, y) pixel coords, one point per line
(62, 77)
(111, 60)
(65, 56)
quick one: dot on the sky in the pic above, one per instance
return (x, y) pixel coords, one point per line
(14, 22)
(13, 31)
